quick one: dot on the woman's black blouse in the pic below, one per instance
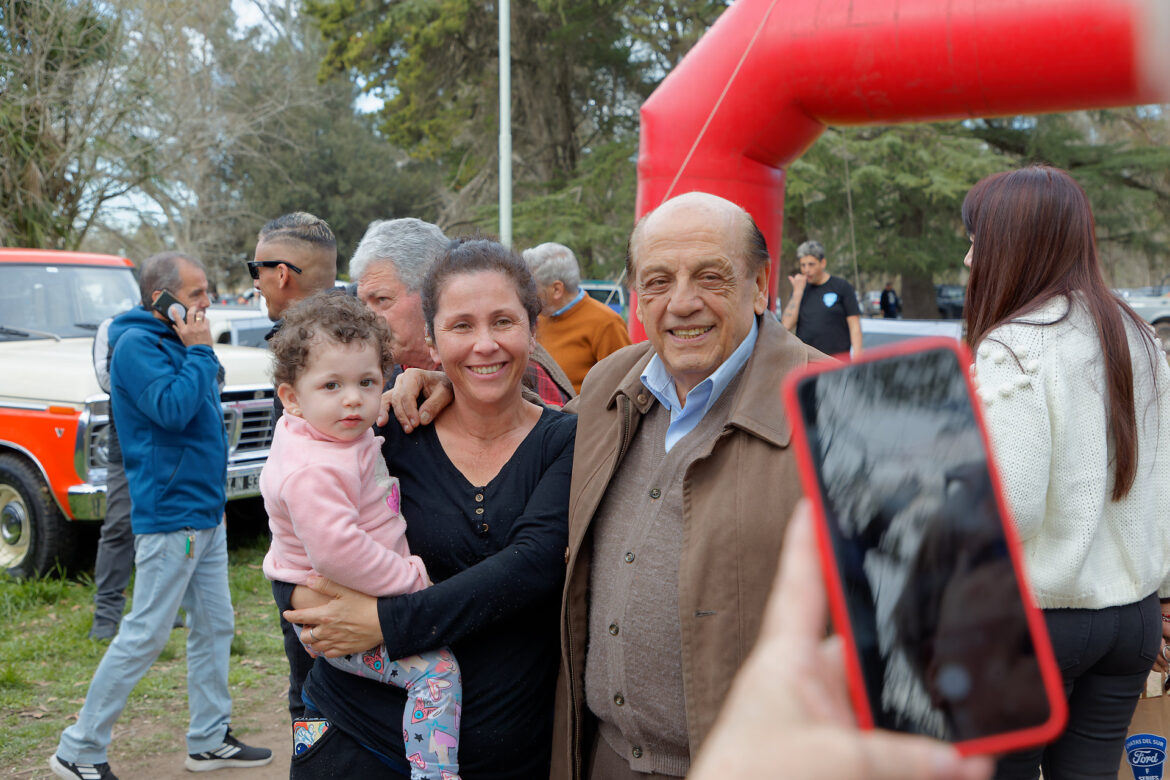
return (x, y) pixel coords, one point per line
(496, 554)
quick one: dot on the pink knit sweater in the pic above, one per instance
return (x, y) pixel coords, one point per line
(334, 510)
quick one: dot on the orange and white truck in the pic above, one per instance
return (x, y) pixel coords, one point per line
(54, 416)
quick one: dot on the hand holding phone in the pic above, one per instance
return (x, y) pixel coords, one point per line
(190, 325)
(922, 567)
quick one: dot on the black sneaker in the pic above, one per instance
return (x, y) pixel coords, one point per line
(232, 753)
(69, 771)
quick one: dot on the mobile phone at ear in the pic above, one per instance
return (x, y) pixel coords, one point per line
(922, 565)
(168, 306)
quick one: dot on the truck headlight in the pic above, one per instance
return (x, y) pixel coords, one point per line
(99, 447)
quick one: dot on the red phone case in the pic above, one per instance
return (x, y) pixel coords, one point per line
(1050, 673)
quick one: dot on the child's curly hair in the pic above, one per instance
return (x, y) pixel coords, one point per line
(331, 315)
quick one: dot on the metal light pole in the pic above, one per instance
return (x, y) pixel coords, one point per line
(505, 123)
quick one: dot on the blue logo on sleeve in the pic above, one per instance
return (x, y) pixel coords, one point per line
(1146, 753)
(830, 299)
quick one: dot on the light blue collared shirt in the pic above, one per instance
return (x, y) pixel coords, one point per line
(702, 396)
(570, 304)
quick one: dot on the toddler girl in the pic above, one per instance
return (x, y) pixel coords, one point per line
(334, 509)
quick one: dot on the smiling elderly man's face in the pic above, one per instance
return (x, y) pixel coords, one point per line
(696, 295)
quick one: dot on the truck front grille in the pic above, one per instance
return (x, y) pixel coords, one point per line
(247, 419)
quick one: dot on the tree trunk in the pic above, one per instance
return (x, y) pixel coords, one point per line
(918, 299)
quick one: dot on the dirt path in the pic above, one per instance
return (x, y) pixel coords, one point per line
(258, 719)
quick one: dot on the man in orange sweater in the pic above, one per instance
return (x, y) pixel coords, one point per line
(577, 330)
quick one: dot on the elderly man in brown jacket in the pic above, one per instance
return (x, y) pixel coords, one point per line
(683, 482)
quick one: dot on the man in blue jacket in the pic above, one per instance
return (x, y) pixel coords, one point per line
(164, 379)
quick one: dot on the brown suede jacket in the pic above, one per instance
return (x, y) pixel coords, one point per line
(737, 499)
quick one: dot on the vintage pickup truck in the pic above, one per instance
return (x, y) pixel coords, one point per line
(54, 415)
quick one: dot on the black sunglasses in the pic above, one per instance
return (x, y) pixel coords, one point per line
(255, 265)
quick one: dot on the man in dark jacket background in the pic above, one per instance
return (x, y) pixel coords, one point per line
(891, 304)
(165, 402)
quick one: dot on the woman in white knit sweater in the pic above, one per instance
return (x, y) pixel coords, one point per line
(1077, 399)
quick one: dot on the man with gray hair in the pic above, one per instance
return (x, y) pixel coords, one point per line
(577, 330)
(165, 402)
(824, 312)
(389, 266)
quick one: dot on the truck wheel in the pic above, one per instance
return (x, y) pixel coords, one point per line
(34, 535)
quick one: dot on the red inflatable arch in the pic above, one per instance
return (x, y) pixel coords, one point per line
(760, 87)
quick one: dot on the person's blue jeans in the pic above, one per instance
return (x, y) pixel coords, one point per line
(167, 579)
(1105, 656)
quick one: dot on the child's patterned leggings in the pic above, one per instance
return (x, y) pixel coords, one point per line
(434, 704)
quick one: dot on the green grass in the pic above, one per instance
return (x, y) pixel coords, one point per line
(46, 660)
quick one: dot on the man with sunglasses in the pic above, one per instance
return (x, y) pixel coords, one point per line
(296, 256)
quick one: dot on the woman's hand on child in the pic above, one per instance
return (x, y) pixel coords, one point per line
(347, 623)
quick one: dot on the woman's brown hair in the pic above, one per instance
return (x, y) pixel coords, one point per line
(1034, 239)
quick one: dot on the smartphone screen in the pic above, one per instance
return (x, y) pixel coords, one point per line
(943, 643)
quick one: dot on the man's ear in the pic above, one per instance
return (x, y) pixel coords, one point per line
(760, 305)
(154, 295)
(557, 289)
(288, 398)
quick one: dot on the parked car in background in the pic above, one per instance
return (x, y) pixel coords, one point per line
(1152, 291)
(949, 298)
(612, 294)
(871, 303)
(1153, 305)
(877, 332)
(225, 320)
(246, 332)
(54, 417)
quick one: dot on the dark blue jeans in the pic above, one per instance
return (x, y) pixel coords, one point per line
(115, 552)
(1105, 656)
(299, 661)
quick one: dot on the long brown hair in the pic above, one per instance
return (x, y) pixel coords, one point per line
(1034, 239)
